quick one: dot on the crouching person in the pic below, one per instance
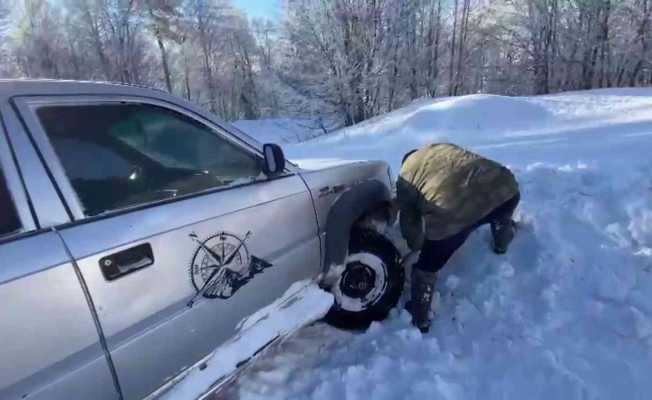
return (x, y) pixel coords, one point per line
(444, 193)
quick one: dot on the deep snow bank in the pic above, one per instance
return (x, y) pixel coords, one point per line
(469, 115)
(541, 123)
(566, 314)
(484, 114)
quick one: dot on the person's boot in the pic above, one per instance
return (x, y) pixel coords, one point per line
(503, 233)
(423, 284)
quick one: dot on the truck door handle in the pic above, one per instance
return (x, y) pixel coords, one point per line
(119, 264)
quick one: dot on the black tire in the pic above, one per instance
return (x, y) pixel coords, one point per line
(365, 241)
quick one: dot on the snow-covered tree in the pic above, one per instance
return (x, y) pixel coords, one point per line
(341, 60)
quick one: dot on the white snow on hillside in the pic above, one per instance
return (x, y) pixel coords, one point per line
(283, 130)
(566, 314)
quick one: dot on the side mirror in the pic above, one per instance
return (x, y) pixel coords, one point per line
(274, 159)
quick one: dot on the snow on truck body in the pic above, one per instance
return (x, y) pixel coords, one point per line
(139, 230)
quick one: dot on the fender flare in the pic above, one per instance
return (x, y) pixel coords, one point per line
(353, 205)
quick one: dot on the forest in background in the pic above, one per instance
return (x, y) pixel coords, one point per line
(341, 61)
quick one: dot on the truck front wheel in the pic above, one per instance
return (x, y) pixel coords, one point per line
(370, 284)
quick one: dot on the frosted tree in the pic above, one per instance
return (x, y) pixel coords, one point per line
(341, 61)
(163, 20)
(335, 54)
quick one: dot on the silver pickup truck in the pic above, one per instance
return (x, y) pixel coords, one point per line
(137, 230)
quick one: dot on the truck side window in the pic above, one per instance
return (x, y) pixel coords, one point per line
(119, 155)
(9, 222)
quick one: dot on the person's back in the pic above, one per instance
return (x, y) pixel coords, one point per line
(452, 188)
(451, 191)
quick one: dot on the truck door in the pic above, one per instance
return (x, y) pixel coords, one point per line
(164, 202)
(50, 346)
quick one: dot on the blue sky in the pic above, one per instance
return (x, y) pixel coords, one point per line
(269, 9)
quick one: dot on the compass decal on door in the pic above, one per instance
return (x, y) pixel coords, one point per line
(222, 264)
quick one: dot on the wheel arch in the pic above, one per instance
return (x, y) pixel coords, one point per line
(369, 199)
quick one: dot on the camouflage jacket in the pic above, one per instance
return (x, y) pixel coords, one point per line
(450, 189)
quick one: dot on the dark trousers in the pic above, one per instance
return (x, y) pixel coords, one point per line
(436, 253)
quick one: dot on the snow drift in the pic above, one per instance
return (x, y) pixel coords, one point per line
(566, 314)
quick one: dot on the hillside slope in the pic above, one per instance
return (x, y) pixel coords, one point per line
(566, 314)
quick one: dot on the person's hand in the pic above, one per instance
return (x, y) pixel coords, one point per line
(410, 259)
(393, 210)
(416, 243)
(414, 236)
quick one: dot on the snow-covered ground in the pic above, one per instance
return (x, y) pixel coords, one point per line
(566, 314)
(301, 305)
(284, 130)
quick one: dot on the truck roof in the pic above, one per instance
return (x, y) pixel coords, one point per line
(46, 82)
(26, 87)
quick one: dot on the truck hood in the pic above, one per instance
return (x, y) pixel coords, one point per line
(320, 164)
